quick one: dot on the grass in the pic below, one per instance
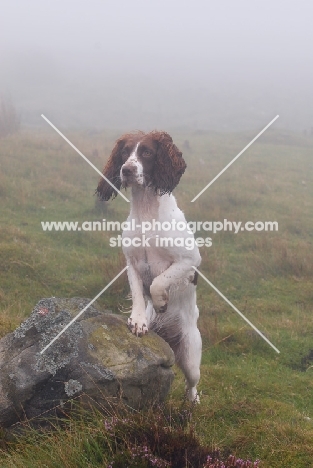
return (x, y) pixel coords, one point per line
(160, 436)
(255, 403)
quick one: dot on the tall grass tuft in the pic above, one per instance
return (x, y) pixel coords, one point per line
(163, 436)
(9, 119)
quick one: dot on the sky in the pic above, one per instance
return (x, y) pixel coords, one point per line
(209, 65)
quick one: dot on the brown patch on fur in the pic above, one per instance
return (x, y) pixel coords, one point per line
(169, 165)
(195, 279)
(112, 168)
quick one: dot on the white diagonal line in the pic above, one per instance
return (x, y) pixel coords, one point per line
(83, 156)
(82, 311)
(233, 160)
(238, 311)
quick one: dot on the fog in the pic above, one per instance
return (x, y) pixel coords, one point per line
(210, 65)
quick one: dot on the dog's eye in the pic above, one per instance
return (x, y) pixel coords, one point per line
(147, 154)
(124, 154)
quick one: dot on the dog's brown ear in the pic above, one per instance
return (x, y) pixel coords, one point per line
(169, 165)
(112, 172)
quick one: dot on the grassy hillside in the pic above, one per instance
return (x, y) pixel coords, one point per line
(255, 403)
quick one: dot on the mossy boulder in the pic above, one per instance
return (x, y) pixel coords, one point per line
(97, 360)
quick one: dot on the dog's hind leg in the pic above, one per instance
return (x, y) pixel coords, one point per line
(188, 358)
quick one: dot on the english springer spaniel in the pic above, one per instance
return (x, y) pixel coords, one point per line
(160, 273)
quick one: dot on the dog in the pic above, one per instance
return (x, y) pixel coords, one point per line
(161, 259)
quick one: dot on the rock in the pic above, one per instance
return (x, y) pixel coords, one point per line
(96, 360)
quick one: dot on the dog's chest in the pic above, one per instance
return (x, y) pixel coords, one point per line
(141, 244)
(146, 257)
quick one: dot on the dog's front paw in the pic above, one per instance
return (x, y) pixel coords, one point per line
(159, 299)
(137, 326)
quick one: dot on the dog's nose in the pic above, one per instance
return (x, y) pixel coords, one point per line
(126, 171)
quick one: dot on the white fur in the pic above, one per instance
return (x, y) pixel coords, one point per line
(167, 273)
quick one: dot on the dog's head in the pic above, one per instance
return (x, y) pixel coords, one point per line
(148, 160)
